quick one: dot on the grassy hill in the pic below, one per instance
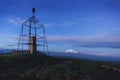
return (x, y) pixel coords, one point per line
(42, 67)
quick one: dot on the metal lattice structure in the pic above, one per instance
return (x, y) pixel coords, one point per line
(32, 36)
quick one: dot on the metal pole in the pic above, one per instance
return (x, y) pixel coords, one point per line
(29, 43)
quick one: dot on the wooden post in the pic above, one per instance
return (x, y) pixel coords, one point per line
(33, 47)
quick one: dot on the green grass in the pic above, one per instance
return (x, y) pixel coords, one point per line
(42, 67)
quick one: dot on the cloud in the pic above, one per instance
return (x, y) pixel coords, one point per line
(71, 51)
(102, 45)
(94, 42)
(12, 45)
(10, 37)
(16, 21)
(61, 24)
(48, 25)
(100, 53)
(84, 38)
(8, 41)
(58, 38)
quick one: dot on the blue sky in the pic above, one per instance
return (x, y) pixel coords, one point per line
(81, 25)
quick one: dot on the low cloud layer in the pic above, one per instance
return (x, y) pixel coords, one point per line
(102, 41)
(100, 53)
(85, 39)
(76, 42)
(102, 45)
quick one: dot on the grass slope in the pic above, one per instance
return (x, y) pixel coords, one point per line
(42, 67)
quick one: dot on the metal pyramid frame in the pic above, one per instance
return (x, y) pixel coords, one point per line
(32, 28)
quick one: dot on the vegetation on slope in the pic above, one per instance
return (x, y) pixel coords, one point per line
(42, 67)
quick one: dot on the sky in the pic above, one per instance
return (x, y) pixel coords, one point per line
(87, 26)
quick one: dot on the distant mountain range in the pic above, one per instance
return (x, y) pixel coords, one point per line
(3, 51)
(78, 56)
(86, 56)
